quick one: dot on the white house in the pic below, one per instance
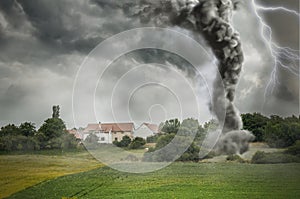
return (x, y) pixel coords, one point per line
(146, 130)
(109, 132)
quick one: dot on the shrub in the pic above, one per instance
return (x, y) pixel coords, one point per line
(152, 139)
(273, 158)
(294, 149)
(126, 140)
(161, 154)
(235, 158)
(137, 143)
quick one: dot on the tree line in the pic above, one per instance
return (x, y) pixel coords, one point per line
(25, 137)
(276, 131)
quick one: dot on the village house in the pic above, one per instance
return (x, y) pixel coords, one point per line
(146, 130)
(109, 132)
(77, 134)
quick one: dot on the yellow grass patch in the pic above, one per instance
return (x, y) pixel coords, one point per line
(18, 172)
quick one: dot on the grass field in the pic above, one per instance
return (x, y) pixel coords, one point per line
(18, 172)
(179, 180)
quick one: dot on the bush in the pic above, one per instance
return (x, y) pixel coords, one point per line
(18, 143)
(126, 140)
(152, 139)
(294, 149)
(273, 158)
(191, 154)
(161, 154)
(137, 143)
(235, 158)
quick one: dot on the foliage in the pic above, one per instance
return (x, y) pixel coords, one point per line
(153, 138)
(281, 132)
(27, 129)
(294, 149)
(137, 143)
(55, 112)
(162, 154)
(191, 154)
(256, 123)
(52, 128)
(189, 132)
(51, 135)
(261, 157)
(18, 143)
(126, 140)
(211, 125)
(9, 129)
(276, 131)
(171, 126)
(235, 158)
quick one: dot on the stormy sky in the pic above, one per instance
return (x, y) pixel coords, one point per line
(43, 44)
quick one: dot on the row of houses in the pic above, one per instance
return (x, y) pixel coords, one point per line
(109, 132)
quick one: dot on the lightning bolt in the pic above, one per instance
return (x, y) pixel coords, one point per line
(284, 57)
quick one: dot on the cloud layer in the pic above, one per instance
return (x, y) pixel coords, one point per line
(43, 43)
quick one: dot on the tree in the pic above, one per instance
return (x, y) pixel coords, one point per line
(50, 133)
(211, 125)
(126, 140)
(171, 126)
(162, 154)
(10, 129)
(92, 138)
(53, 128)
(55, 113)
(27, 129)
(137, 143)
(256, 123)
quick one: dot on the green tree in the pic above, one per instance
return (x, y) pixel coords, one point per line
(171, 126)
(10, 129)
(27, 129)
(137, 143)
(52, 128)
(126, 140)
(211, 125)
(256, 123)
(51, 132)
(55, 111)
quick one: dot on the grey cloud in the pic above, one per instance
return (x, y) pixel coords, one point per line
(49, 40)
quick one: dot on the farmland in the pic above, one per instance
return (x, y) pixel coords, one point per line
(18, 172)
(179, 180)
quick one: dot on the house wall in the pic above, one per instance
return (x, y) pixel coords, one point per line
(105, 138)
(119, 135)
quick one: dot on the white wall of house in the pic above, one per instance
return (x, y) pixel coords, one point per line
(143, 132)
(104, 138)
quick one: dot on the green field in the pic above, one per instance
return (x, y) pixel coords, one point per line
(179, 180)
(18, 172)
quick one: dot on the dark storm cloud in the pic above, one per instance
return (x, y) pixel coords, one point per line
(285, 29)
(56, 24)
(43, 42)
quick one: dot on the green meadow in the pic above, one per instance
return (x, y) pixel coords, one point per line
(178, 180)
(18, 172)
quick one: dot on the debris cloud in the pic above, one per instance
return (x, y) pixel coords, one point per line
(212, 20)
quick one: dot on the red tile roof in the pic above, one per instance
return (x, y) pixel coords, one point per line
(75, 133)
(106, 127)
